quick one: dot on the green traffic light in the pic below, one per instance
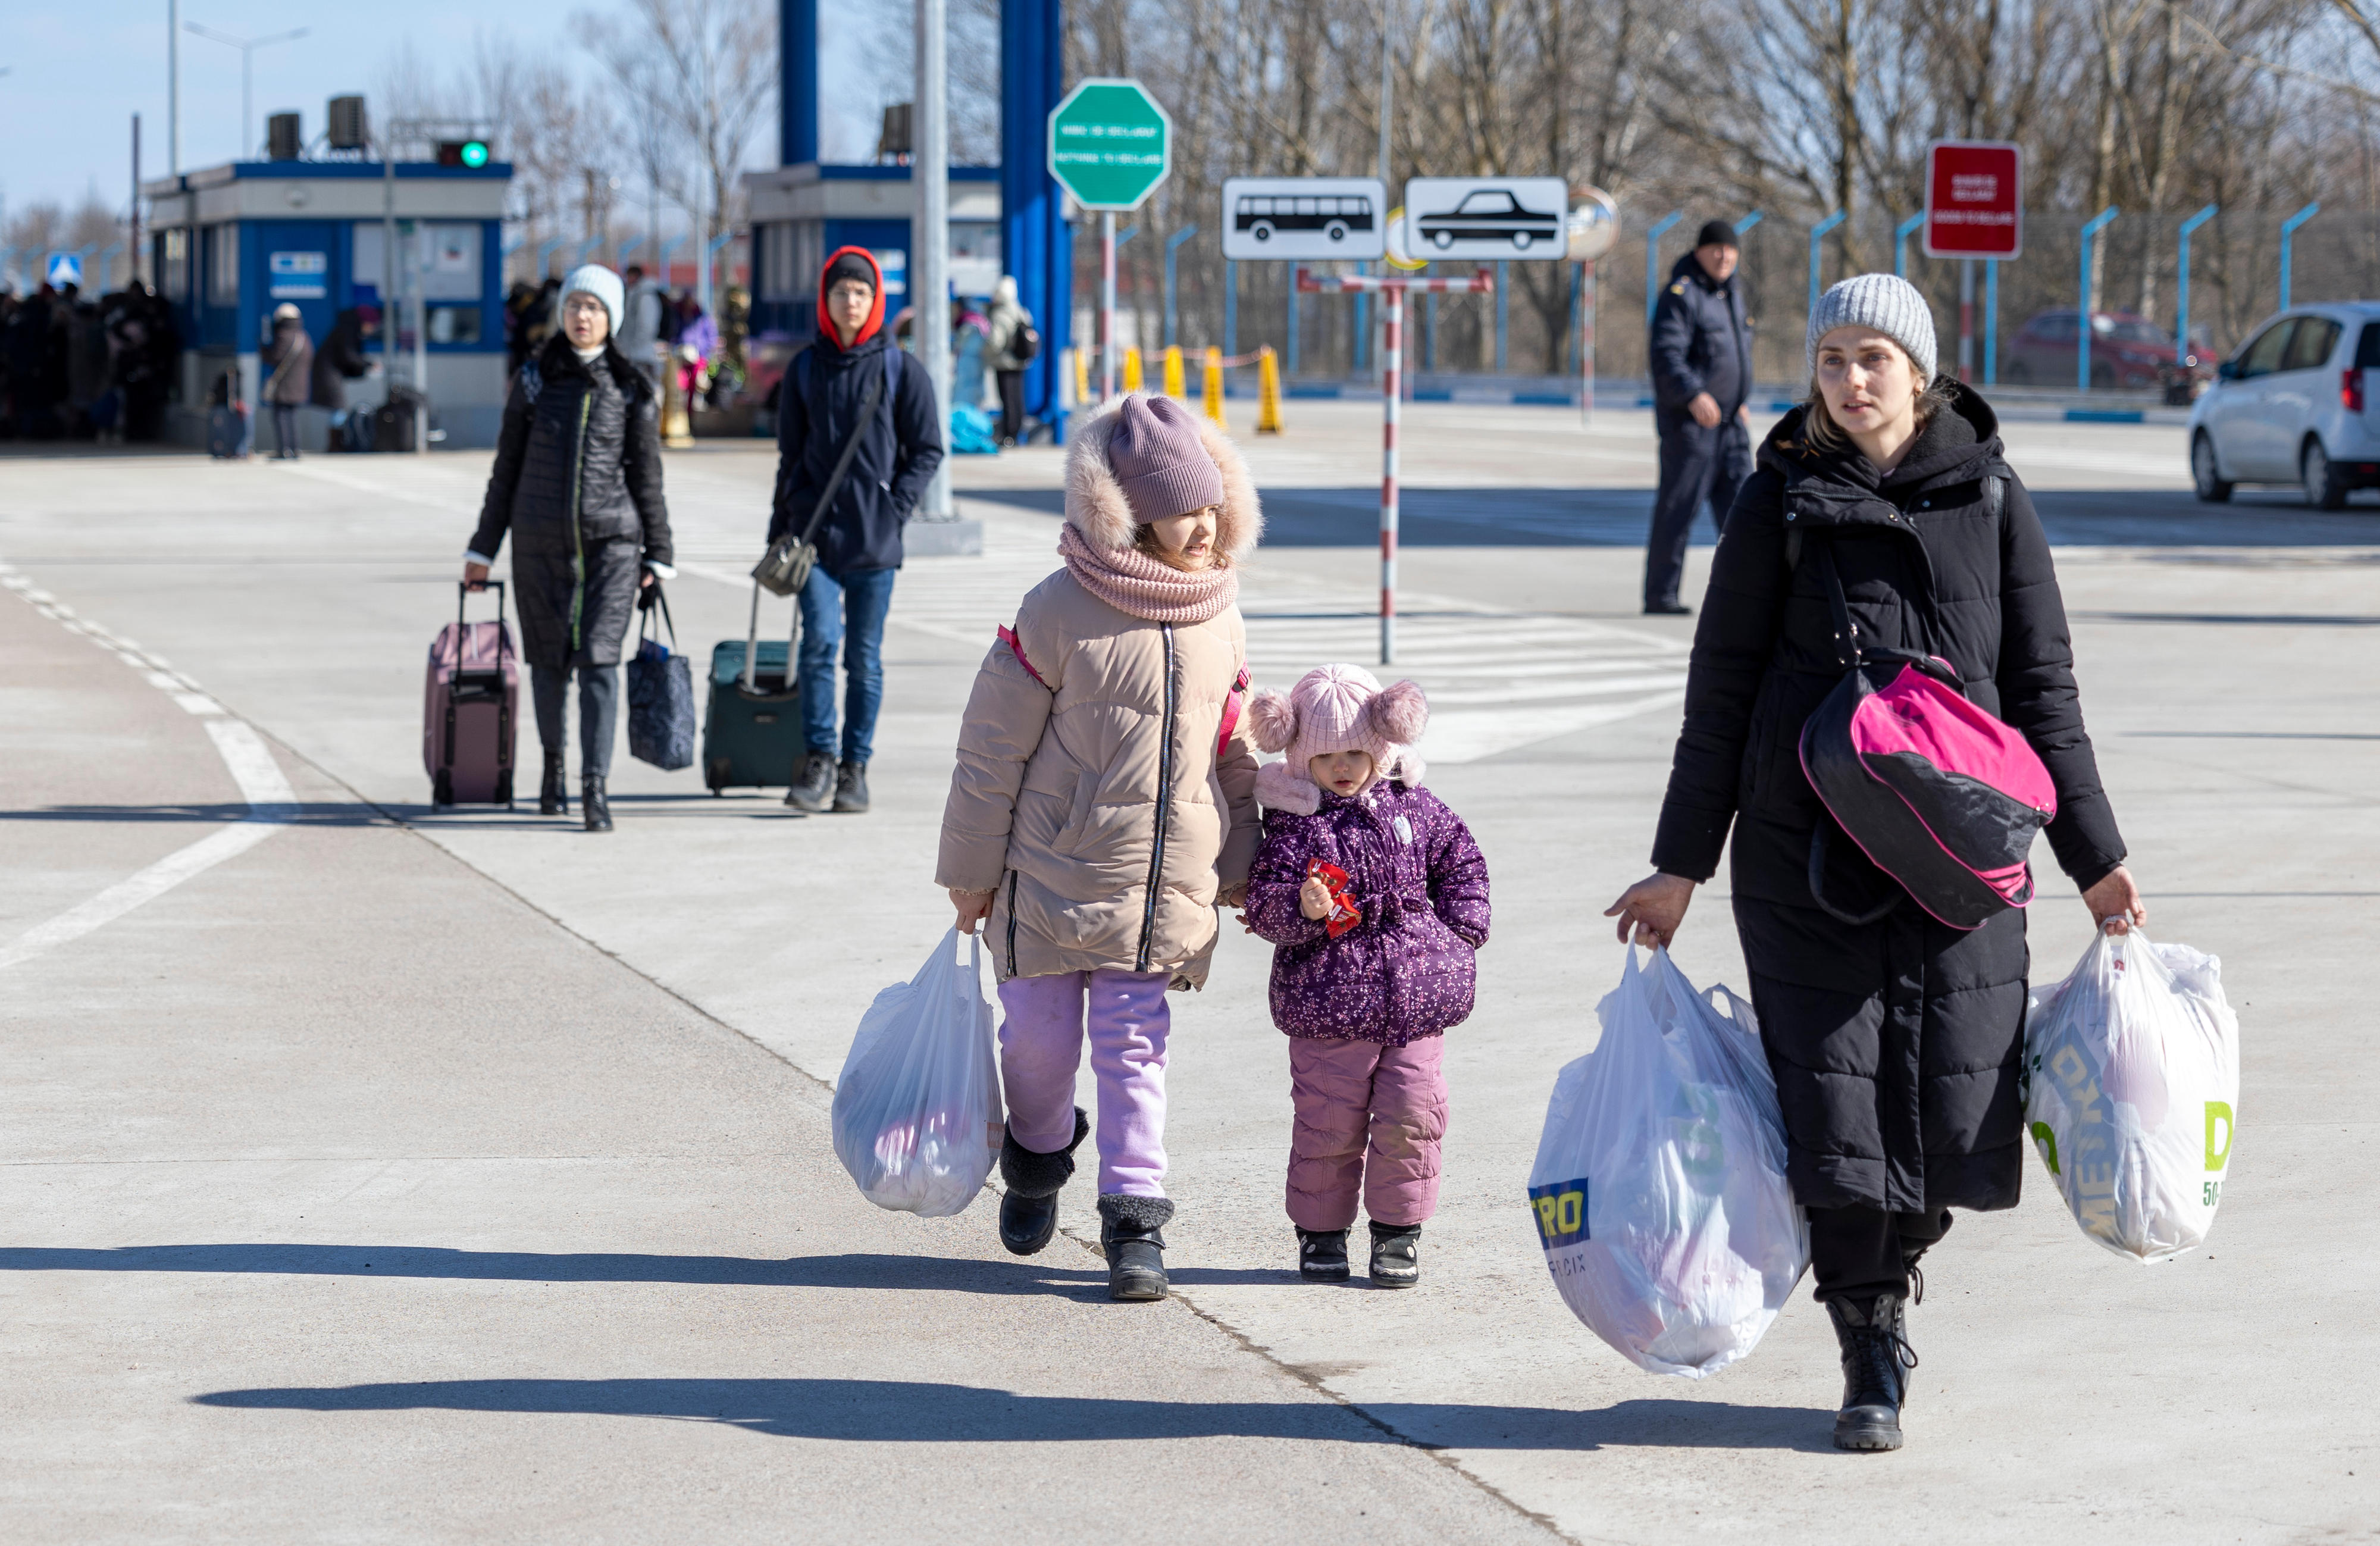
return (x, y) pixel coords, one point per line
(475, 153)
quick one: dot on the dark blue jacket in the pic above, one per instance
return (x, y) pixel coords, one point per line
(1699, 337)
(898, 449)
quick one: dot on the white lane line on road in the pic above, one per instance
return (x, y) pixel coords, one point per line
(271, 803)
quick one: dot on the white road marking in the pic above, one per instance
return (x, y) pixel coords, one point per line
(272, 804)
(1498, 679)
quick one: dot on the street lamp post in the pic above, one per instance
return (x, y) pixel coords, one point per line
(2181, 284)
(1817, 232)
(2288, 229)
(1652, 267)
(1901, 234)
(1172, 246)
(248, 47)
(2090, 229)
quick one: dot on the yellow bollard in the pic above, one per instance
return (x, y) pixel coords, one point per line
(1132, 370)
(677, 429)
(1173, 371)
(1083, 376)
(1268, 392)
(1211, 389)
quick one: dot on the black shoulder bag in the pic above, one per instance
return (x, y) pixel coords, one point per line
(787, 566)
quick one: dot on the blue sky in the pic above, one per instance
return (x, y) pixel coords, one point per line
(78, 71)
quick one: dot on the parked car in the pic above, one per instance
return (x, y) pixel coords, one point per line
(2127, 350)
(2297, 404)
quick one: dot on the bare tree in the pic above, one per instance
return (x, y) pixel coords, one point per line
(707, 67)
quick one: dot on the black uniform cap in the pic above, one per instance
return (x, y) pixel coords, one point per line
(1716, 233)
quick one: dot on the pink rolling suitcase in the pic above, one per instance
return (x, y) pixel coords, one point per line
(470, 709)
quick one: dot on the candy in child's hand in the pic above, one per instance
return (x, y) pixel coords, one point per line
(1343, 914)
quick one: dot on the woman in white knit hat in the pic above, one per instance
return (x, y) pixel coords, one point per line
(1896, 1039)
(577, 482)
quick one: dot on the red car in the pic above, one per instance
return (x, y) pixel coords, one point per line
(2127, 350)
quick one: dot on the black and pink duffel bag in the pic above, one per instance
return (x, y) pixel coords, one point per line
(1939, 794)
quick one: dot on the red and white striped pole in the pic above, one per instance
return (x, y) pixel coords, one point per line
(1392, 353)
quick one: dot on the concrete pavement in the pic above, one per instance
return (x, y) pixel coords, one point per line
(572, 1087)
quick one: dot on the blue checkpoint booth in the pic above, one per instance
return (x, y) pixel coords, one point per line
(230, 243)
(801, 213)
(1006, 219)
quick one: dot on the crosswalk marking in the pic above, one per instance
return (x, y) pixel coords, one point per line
(1498, 679)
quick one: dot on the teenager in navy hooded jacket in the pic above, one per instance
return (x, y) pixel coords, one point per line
(850, 589)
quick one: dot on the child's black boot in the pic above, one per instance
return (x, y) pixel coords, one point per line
(1129, 1233)
(1396, 1255)
(1028, 1214)
(1322, 1255)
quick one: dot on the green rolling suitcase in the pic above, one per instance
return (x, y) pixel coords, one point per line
(752, 733)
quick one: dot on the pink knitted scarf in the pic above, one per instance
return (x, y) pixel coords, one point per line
(1129, 580)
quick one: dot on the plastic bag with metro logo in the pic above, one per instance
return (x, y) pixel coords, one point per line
(2131, 1086)
(917, 1108)
(1659, 1190)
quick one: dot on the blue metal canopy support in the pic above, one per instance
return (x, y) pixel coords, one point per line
(797, 89)
(1036, 245)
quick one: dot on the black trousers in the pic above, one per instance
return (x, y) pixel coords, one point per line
(599, 712)
(1012, 403)
(284, 428)
(1858, 1253)
(1697, 465)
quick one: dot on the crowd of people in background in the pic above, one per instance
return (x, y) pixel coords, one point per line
(706, 357)
(72, 368)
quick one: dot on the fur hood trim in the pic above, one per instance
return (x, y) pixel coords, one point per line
(1281, 788)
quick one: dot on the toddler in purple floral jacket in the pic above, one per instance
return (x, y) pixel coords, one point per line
(1365, 1008)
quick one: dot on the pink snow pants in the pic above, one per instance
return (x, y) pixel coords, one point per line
(1367, 1115)
(1041, 1046)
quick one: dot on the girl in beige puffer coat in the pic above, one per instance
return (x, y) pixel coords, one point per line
(1103, 804)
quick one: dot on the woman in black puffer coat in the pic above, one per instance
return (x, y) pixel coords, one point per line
(1896, 1045)
(577, 482)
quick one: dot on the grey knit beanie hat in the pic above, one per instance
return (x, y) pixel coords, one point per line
(1883, 301)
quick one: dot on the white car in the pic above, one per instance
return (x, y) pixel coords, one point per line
(2297, 404)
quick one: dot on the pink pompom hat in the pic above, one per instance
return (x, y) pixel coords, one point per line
(1335, 708)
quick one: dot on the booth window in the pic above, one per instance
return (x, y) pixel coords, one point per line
(223, 265)
(454, 324)
(173, 264)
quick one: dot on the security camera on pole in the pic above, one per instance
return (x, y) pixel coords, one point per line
(1111, 145)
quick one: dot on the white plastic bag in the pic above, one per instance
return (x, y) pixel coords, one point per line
(2133, 1082)
(917, 1109)
(1659, 1185)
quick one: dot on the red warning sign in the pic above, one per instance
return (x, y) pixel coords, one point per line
(1975, 200)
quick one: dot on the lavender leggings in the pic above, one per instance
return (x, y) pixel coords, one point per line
(1041, 1046)
(1371, 1116)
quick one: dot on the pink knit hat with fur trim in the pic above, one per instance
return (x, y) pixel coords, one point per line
(1335, 708)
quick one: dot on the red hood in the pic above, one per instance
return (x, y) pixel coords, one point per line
(875, 321)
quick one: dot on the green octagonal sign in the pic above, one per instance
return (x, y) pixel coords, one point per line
(1110, 144)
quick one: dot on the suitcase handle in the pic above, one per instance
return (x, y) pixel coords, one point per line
(462, 617)
(752, 642)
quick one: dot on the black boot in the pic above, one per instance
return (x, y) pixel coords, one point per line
(592, 805)
(851, 789)
(1876, 1361)
(1028, 1214)
(813, 783)
(1128, 1230)
(1322, 1255)
(1396, 1255)
(550, 800)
